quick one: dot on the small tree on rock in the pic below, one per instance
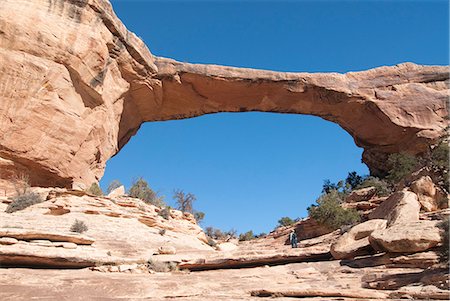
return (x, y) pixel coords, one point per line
(285, 221)
(95, 190)
(184, 201)
(140, 190)
(328, 211)
(353, 179)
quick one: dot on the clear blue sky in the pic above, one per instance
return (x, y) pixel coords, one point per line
(249, 169)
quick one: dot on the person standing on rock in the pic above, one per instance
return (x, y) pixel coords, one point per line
(293, 239)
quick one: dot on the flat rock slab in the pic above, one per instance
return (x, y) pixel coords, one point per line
(24, 234)
(249, 261)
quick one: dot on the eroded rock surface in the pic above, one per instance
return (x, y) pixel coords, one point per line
(75, 85)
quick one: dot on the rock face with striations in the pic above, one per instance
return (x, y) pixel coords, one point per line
(76, 85)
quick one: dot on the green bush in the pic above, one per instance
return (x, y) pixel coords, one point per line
(353, 179)
(23, 200)
(444, 225)
(328, 211)
(440, 155)
(113, 185)
(381, 186)
(400, 165)
(140, 190)
(246, 236)
(79, 226)
(199, 216)
(285, 221)
(439, 161)
(95, 190)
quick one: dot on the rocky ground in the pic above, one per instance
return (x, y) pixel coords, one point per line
(130, 251)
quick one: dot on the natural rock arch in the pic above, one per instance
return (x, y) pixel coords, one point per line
(75, 85)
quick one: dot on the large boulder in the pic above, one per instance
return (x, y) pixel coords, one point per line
(361, 195)
(429, 195)
(409, 237)
(226, 247)
(167, 250)
(400, 207)
(118, 192)
(355, 241)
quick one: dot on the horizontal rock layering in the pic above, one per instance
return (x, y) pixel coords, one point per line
(75, 85)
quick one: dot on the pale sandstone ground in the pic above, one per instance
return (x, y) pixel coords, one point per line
(124, 233)
(237, 284)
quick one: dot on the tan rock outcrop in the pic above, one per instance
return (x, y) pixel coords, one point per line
(356, 240)
(119, 191)
(430, 196)
(407, 237)
(75, 85)
(400, 207)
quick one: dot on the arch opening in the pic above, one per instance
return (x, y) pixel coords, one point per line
(246, 169)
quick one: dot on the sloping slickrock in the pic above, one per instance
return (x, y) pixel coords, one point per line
(114, 228)
(407, 237)
(76, 85)
(400, 207)
(355, 241)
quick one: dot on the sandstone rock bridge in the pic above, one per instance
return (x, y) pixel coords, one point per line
(75, 85)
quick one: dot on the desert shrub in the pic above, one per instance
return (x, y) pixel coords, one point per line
(329, 186)
(400, 165)
(341, 187)
(165, 212)
(162, 266)
(140, 190)
(439, 161)
(162, 232)
(285, 221)
(199, 216)
(184, 200)
(246, 236)
(444, 225)
(212, 242)
(95, 190)
(440, 155)
(21, 183)
(22, 201)
(353, 179)
(218, 234)
(261, 235)
(113, 185)
(328, 211)
(381, 186)
(79, 226)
